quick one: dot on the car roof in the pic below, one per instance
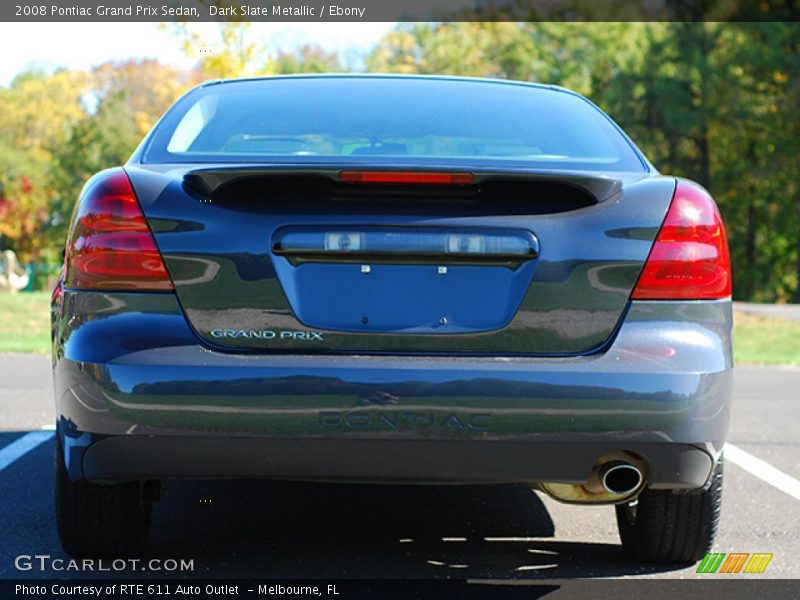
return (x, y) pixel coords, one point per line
(385, 76)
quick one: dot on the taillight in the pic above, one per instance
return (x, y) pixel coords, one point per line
(689, 259)
(55, 295)
(110, 245)
(406, 177)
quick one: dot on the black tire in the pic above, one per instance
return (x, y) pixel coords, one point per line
(100, 520)
(662, 526)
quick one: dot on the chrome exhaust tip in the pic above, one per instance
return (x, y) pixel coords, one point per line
(613, 479)
(620, 478)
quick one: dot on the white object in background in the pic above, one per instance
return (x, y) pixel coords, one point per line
(12, 277)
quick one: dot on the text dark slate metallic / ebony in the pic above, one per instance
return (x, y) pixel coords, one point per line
(391, 279)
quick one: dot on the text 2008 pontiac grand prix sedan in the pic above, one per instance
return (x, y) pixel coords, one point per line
(399, 280)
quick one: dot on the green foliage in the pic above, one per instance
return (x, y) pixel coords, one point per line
(57, 130)
(307, 59)
(125, 101)
(37, 113)
(235, 51)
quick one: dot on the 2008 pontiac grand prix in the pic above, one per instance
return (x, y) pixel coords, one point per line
(400, 280)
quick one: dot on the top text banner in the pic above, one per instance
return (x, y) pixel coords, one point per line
(397, 10)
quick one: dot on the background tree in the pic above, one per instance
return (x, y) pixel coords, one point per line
(235, 51)
(123, 101)
(309, 58)
(38, 112)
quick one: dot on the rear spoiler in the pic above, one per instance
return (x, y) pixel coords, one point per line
(219, 182)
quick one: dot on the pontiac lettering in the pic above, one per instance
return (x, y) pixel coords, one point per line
(404, 420)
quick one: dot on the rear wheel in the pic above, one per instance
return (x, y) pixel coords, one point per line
(100, 520)
(667, 527)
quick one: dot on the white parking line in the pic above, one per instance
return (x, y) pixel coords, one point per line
(21, 446)
(512, 539)
(763, 470)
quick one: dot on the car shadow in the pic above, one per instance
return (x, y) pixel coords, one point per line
(292, 530)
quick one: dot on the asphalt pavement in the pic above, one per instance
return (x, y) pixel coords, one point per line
(279, 530)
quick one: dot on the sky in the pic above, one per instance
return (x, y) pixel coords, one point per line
(83, 45)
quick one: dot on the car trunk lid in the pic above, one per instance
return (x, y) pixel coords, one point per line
(277, 259)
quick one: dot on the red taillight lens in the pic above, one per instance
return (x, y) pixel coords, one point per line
(406, 177)
(110, 245)
(689, 260)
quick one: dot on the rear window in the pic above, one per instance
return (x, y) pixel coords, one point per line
(389, 120)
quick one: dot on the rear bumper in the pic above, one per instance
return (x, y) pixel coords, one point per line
(139, 397)
(673, 466)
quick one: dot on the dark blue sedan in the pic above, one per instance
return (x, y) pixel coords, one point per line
(393, 279)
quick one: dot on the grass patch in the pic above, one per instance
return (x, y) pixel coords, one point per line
(765, 340)
(25, 328)
(25, 322)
